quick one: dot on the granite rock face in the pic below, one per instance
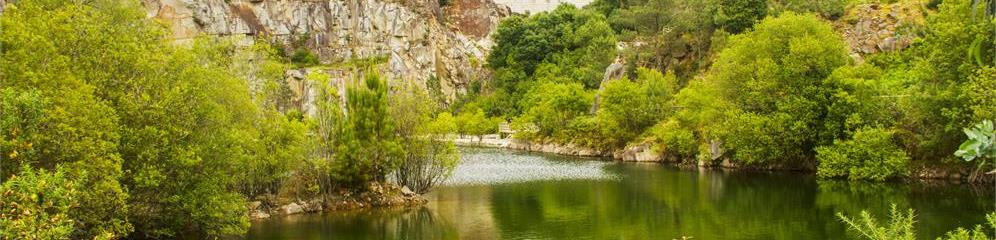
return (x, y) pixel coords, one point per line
(873, 28)
(419, 39)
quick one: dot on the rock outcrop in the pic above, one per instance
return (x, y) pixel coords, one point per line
(374, 195)
(612, 72)
(873, 28)
(419, 39)
(643, 152)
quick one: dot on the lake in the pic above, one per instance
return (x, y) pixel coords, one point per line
(504, 194)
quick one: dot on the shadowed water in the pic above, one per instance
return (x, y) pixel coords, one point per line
(500, 194)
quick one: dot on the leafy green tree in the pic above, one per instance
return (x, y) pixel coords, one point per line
(859, 97)
(551, 106)
(36, 205)
(627, 108)
(50, 73)
(675, 139)
(21, 120)
(151, 130)
(444, 123)
(774, 76)
(473, 121)
(540, 44)
(430, 156)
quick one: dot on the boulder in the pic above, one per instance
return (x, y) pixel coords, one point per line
(292, 208)
(643, 152)
(255, 205)
(406, 191)
(258, 214)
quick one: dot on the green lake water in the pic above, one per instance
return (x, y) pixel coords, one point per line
(502, 194)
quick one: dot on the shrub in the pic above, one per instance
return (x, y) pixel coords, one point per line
(552, 106)
(869, 155)
(673, 138)
(473, 121)
(737, 16)
(829, 9)
(303, 57)
(36, 205)
(628, 108)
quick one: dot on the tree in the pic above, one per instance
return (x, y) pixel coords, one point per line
(430, 155)
(527, 48)
(473, 121)
(366, 145)
(552, 106)
(774, 76)
(949, 89)
(628, 108)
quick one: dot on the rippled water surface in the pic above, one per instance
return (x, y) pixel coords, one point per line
(501, 194)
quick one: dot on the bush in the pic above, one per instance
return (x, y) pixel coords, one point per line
(738, 16)
(674, 139)
(444, 123)
(759, 139)
(303, 57)
(627, 108)
(552, 106)
(870, 155)
(829, 9)
(473, 121)
(36, 205)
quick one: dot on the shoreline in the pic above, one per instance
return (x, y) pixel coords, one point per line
(377, 196)
(644, 153)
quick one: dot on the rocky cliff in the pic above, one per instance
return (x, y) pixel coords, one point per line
(419, 39)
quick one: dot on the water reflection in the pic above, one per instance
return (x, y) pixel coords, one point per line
(637, 201)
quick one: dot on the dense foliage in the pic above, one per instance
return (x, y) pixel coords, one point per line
(133, 135)
(36, 205)
(564, 45)
(871, 154)
(783, 92)
(108, 129)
